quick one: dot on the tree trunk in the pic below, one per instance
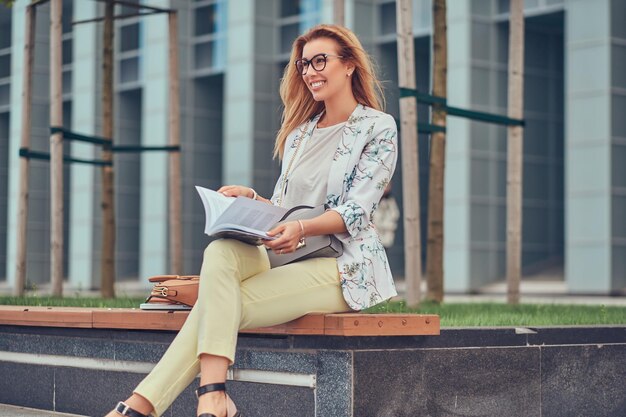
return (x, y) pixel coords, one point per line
(56, 149)
(515, 150)
(22, 217)
(175, 202)
(108, 215)
(339, 12)
(434, 251)
(409, 152)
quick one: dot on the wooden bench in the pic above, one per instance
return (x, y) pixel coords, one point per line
(343, 324)
(333, 365)
(305, 367)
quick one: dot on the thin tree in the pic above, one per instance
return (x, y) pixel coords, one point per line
(22, 216)
(176, 233)
(410, 165)
(56, 149)
(434, 251)
(339, 12)
(515, 143)
(107, 269)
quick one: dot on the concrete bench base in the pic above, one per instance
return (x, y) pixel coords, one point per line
(488, 372)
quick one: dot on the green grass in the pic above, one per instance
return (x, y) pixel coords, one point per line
(496, 314)
(452, 314)
(47, 301)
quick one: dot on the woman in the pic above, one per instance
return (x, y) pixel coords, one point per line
(337, 148)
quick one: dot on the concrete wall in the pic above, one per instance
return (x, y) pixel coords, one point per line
(489, 372)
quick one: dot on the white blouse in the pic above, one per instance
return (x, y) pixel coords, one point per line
(308, 180)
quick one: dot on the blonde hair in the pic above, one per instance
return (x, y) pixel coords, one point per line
(299, 105)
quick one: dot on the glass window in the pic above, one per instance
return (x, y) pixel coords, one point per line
(67, 51)
(4, 94)
(206, 20)
(130, 9)
(129, 70)
(290, 7)
(129, 37)
(388, 18)
(288, 34)
(5, 65)
(203, 53)
(67, 81)
(503, 6)
(5, 27)
(66, 19)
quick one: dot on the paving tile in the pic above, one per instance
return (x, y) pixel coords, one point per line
(15, 411)
(447, 382)
(26, 385)
(92, 392)
(583, 381)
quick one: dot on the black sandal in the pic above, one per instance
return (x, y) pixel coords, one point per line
(123, 409)
(230, 406)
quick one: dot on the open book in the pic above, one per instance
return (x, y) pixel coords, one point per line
(238, 218)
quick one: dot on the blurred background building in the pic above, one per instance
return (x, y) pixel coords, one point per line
(232, 55)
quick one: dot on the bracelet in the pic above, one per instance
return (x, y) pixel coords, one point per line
(254, 194)
(301, 229)
(302, 241)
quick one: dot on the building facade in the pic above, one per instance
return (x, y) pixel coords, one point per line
(232, 55)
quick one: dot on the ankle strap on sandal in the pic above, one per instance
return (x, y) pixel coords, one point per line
(123, 409)
(210, 388)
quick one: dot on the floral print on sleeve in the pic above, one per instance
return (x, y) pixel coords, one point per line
(364, 185)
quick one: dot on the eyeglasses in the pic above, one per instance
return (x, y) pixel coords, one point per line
(318, 62)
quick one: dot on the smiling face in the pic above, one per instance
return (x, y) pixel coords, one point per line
(333, 80)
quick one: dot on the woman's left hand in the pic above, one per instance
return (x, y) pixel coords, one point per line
(289, 235)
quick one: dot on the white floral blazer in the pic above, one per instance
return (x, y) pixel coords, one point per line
(362, 166)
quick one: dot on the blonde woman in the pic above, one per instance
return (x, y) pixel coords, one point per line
(341, 150)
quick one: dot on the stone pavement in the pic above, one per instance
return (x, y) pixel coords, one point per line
(531, 292)
(13, 411)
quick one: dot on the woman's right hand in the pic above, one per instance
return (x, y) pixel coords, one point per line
(236, 191)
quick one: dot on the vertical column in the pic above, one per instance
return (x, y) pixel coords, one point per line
(588, 146)
(15, 133)
(84, 120)
(154, 179)
(618, 145)
(457, 201)
(239, 96)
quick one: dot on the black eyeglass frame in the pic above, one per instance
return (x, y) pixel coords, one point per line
(309, 62)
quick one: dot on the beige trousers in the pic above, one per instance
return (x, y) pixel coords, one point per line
(238, 290)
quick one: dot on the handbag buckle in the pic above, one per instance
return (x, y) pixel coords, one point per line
(161, 291)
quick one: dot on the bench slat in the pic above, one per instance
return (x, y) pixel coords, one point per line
(46, 316)
(134, 319)
(351, 324)
(342, 324)
(311, 324)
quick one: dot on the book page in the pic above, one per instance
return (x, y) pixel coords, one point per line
(214, 205)
(238, 218)
(249, 215)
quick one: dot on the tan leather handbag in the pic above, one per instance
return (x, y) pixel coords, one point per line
(174, 289)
